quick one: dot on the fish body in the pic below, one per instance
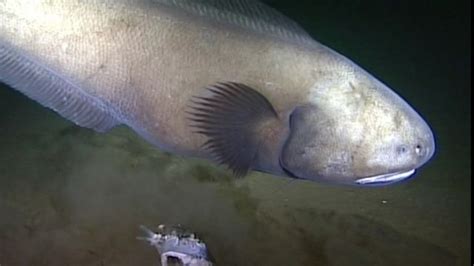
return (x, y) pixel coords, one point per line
(235, 77)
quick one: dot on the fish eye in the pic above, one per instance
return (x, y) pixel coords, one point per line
(402, 149)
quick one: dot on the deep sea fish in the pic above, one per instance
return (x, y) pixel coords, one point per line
(233, 81)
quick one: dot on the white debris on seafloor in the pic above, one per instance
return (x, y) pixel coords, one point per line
(187, 248)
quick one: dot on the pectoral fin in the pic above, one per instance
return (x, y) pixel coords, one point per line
(231, 117)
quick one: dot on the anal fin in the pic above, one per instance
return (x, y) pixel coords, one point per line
(54, 91)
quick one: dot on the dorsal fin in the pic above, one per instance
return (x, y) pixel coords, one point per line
(249, 14)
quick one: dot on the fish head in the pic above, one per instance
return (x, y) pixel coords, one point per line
(355, 130)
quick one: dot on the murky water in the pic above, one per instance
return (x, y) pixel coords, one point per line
(69, 196)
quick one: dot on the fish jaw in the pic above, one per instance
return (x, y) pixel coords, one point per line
(385, 179)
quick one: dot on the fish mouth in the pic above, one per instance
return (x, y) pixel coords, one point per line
(385, 179)
(375, 180)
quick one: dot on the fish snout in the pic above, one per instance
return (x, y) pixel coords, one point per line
(419, 149)
(424, 149)
(418, 153)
